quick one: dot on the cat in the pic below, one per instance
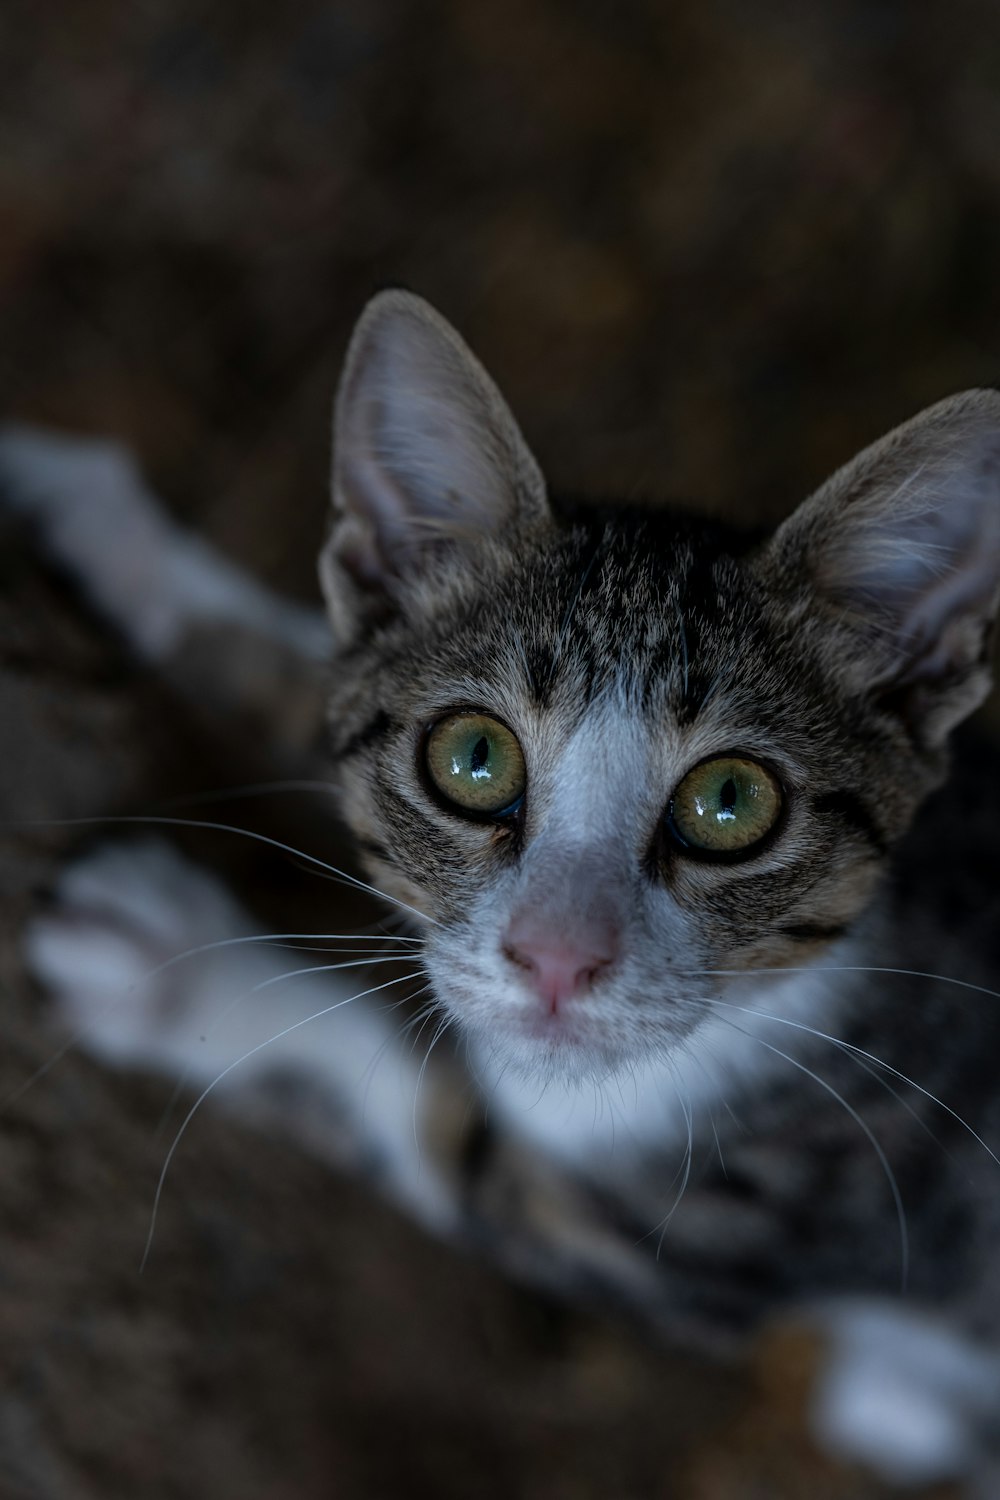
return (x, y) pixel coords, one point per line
(649, 793)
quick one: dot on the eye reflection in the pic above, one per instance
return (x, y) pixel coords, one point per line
(725, 805)
(476, 763)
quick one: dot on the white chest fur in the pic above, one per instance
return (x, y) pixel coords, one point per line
(757, 1030)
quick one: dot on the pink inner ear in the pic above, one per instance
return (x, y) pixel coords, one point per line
(425, 448)
(904, 543)
(374, 513)
(927, 568)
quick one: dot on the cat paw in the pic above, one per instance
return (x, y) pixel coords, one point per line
(143, 955)
(905, 1394)
(158, 582)
(109, 948)
(76, 493)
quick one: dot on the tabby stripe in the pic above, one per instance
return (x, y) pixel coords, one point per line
(813, 932)
(373, 847)
(850, 809)
(411, 832)
(378, 725)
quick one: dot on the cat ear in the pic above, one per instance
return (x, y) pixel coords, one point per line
(903, 544)
(426, 454)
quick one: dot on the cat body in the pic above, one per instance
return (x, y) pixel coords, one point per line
(622, 650)
(648, 790)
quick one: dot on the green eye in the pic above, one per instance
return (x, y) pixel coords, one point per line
(476, 763)
(725, 806)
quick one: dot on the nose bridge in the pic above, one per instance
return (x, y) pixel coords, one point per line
(578, 865)
(589, 805)
(578, 884)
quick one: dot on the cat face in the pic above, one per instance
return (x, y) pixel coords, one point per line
(620, 763)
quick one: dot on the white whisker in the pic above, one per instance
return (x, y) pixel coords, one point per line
(904, 1241)
(275, 939)
(368, 1076)
(859, 1053)
(963, 984)
(718, 1145)
(210, 825)
(438, 1034)
(252, 1052)
(684, 1172)
(226, 1010)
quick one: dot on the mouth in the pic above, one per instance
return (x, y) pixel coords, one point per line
(507, 1016)
(568, 1032)
(553, 1027)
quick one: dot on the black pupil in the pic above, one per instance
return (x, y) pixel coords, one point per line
(480, 753)
(728, 794)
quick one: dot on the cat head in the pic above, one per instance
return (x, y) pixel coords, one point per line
(616, 759)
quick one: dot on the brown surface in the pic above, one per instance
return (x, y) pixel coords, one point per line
(707, 249)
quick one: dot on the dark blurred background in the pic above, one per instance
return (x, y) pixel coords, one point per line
(705, 248)
(708, 250)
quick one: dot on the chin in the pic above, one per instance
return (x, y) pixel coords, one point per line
(564, 1048)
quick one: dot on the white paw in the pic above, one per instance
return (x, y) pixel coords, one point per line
(151, 579)
(95, 518)
(109, 950)
(904, 1393)
(54, 478)
(139, 955)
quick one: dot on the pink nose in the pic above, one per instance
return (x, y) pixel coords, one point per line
(559, 966)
